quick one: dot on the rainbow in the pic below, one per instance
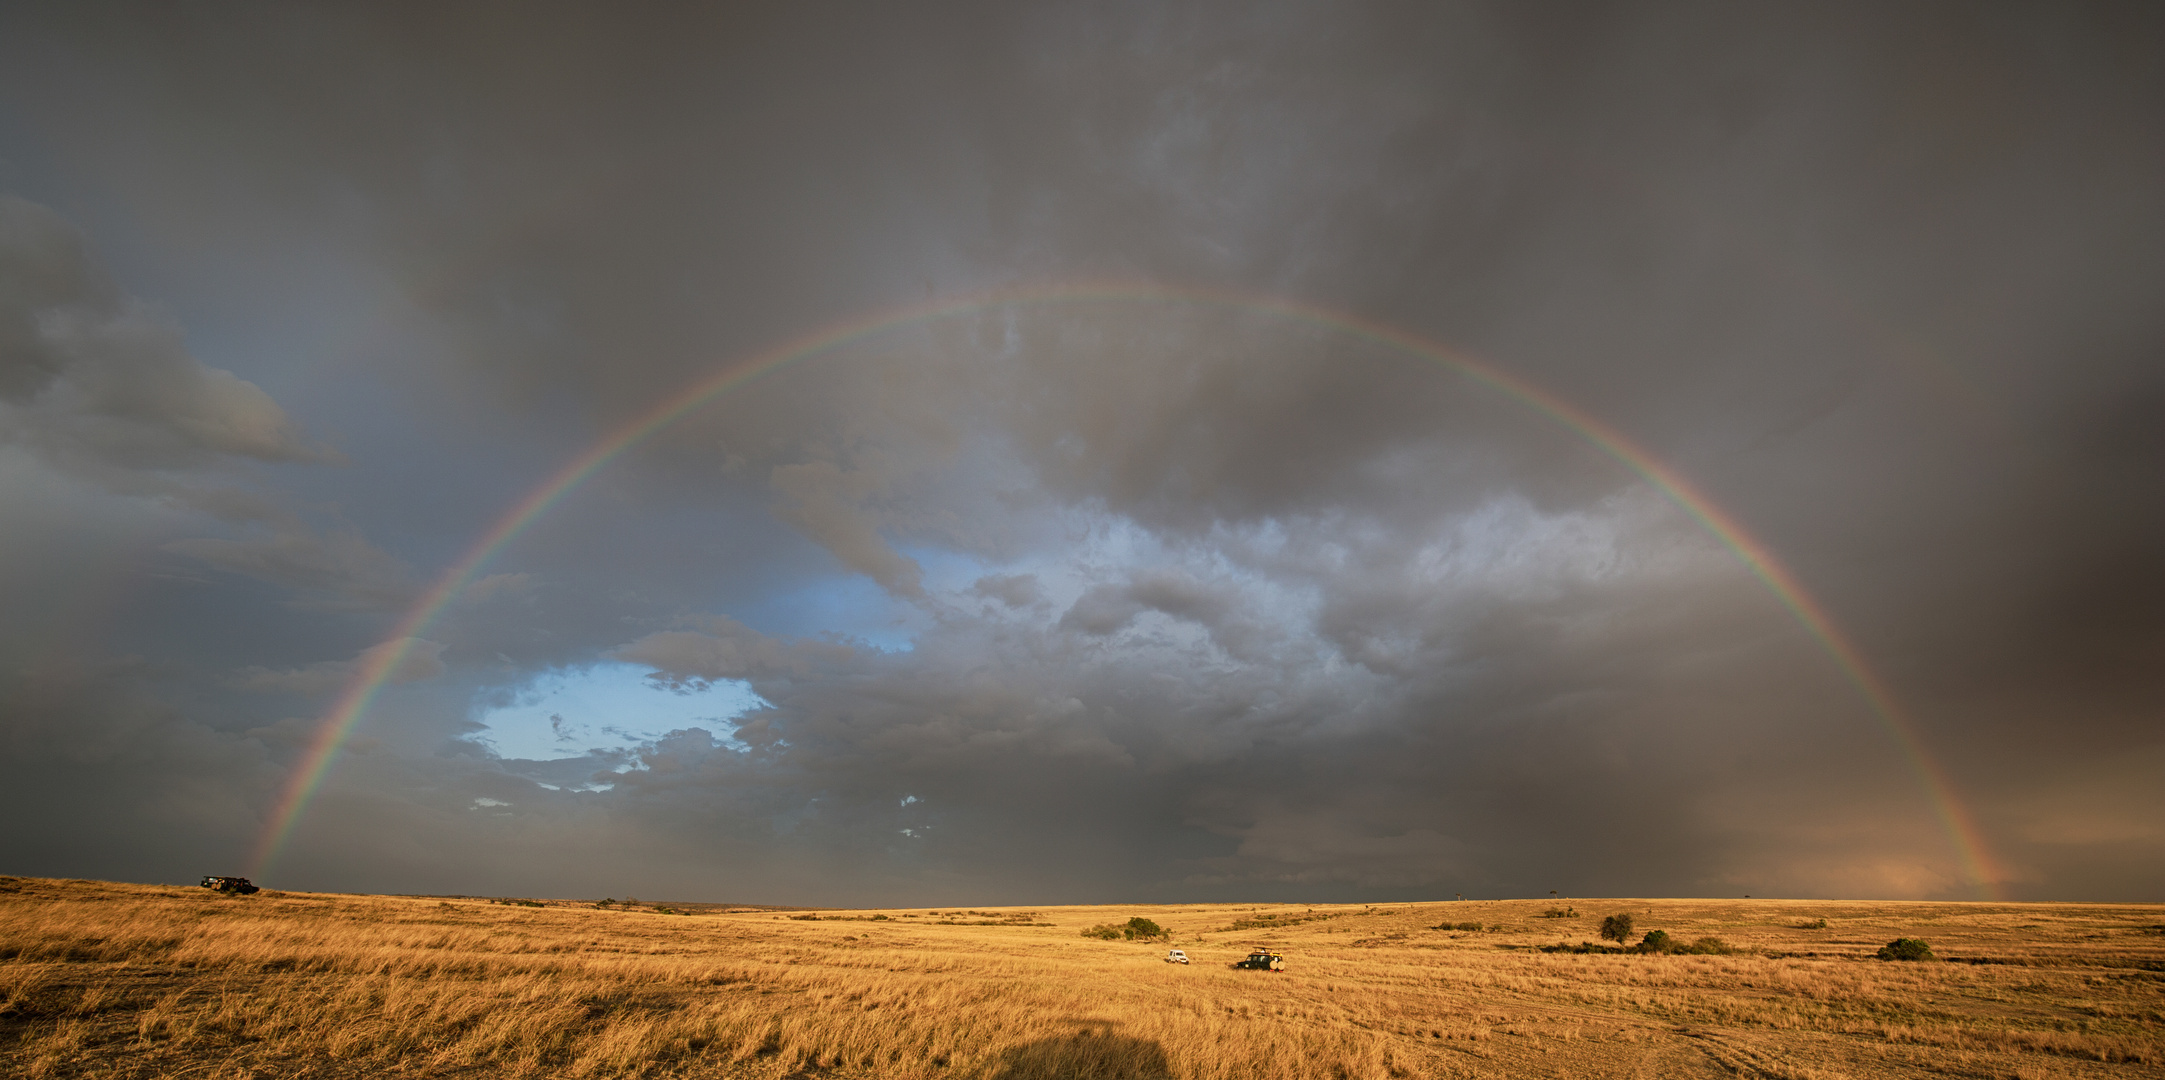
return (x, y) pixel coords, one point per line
(377, 666)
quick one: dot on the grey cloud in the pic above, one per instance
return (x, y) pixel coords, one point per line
(1305, 848)
(1014, 590)
(827, 502)
(1108, 609)
(45, 274)
(334, 569)
(1102, 610)
(175, 791)
(723, 648)
(1173, 596)
(497, 587)
(423, 659)
(95, 380)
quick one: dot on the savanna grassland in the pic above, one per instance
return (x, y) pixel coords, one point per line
(102, 979)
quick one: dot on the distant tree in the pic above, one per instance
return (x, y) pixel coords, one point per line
(1655, 941)
(1617, 928)
(1139, 927)
(1908, 948)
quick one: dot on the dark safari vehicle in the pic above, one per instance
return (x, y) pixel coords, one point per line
(239, 885)
(1261, 960)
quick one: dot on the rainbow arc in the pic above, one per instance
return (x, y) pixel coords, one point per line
(378, 664)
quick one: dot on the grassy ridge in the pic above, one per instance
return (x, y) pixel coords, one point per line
(124, 980)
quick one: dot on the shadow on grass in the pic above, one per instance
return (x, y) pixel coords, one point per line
(1092, 1054)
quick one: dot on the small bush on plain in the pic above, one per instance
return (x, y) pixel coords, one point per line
(1616, 928)
(1908, 948)
(1582, 948)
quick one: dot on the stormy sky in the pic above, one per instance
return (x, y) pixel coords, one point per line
(1133, 585)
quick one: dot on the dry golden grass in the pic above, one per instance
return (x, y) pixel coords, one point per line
(138, 981)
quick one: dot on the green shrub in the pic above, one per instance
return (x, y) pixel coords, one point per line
(1139, 927)
(1274, 921)
(1656, 941)
(1582, 948)
(1560, 913)
(1908, 948)
(1708, 946)
(1105, 930)
(1466, 926)
(1616, 928)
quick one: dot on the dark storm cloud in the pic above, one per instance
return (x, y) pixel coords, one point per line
(422, 659)
(95, 380)
(101, 386)
(1092, 599)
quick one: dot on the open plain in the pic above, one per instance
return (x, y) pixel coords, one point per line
(102, 979)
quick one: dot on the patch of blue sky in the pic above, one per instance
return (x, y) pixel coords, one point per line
(945, 570)
(850, 605)
(572, 712)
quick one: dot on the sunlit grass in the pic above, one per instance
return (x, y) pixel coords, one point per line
(122, 980)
